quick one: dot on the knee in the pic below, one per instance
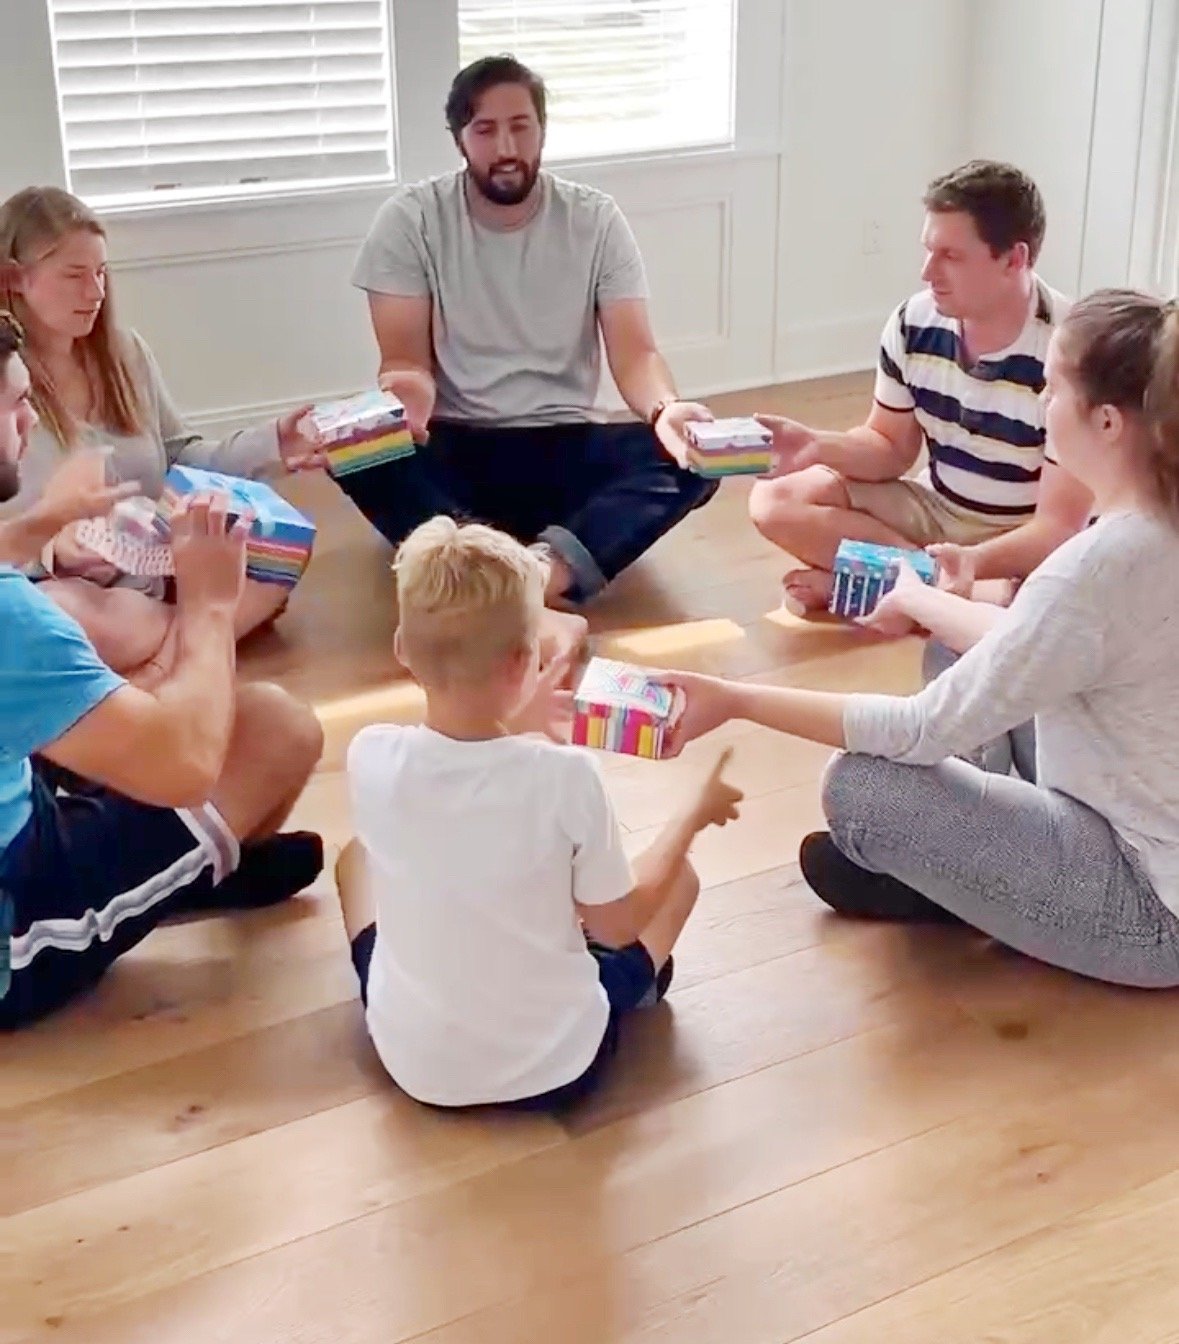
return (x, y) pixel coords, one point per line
(348, 868)
(772, 505)
(261, 604)
(785, 502)
(288, 735)
(936, 658)
(691, 882)
(850, 784)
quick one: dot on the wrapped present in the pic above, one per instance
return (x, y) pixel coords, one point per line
(619, 708)
(280, 542)
(359, 432)
(737, 447)
(863, 573)
(132, 537)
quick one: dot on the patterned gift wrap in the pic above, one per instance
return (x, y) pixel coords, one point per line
(737, 447)
(619, 708)
(360, 432)
(863, 573)
(131, 537)
(280, 542)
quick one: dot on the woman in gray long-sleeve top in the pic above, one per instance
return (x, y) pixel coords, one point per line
(93, 383)
(1078, 866)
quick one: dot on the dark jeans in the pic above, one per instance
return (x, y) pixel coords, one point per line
(598, 495)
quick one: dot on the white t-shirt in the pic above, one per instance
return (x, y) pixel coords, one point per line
(481, 988)
(515, 312)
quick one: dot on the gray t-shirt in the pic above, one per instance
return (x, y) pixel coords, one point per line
(1089, 648)
(164, 441)
(515, 312)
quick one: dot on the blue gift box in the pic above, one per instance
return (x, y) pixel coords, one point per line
(863, 573)
(281, 538)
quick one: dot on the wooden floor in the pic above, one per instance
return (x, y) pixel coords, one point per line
(830, 1133)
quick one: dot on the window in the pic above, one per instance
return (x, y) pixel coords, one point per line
(622, 75)
(195, 98)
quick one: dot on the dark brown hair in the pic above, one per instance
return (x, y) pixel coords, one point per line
(1121, 348)
(1004, 203)
(32, 224)
(471, 83)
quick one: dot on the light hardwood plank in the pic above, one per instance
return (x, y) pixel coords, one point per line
(831, 1131)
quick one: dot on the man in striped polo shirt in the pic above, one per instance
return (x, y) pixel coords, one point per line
(960, 374)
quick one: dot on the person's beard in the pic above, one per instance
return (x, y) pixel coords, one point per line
(9, 481)
(505, 192)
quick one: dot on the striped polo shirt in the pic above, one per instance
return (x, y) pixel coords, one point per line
(983, 422)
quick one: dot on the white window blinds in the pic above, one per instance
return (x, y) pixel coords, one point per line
(623, 75)
(212, 97)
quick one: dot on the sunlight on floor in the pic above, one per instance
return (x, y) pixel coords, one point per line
(403, 700)
(662, 641)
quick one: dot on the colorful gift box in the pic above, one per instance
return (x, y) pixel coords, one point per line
(736, 447)
(281, 539)
(619, 708)
(863, 573)
(360, 432)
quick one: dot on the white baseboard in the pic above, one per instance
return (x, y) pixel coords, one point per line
(821, 349)
(217, 423)
(815, 351)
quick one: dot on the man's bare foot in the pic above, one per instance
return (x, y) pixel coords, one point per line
(806, 591)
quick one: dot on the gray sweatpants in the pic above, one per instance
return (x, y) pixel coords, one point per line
(1033, 868)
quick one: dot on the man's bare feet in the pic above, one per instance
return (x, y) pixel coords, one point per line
(806, 591)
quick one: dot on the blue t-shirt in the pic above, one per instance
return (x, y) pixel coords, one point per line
(50, 677)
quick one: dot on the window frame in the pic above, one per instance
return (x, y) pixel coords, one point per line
(424, 36)
(226, 193)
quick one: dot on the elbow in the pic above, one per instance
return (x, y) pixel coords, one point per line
(904, 459)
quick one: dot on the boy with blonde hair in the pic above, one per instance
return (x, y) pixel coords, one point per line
(496, 925)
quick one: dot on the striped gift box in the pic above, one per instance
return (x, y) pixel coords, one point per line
(281, 539)
(360, 432)
(863, 573)
(619, 708)
(735, 447)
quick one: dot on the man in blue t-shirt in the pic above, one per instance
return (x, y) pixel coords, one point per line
(122, 805)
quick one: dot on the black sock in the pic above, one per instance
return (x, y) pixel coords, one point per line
(270, 871)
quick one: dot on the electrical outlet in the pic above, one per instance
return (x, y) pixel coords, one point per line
(873, 238)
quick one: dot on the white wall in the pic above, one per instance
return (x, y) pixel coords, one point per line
(1080, 93)
(875, 106)
(1033, 75)
(757, 256)
(30, 147)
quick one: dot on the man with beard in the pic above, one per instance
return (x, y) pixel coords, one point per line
(121, 806)
(487, 288)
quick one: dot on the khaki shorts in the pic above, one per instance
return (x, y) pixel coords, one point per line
(918, 512)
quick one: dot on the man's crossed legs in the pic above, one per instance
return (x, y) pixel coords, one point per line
(93, 872)
(810, 512)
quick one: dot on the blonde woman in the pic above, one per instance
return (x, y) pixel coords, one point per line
(95, 382)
